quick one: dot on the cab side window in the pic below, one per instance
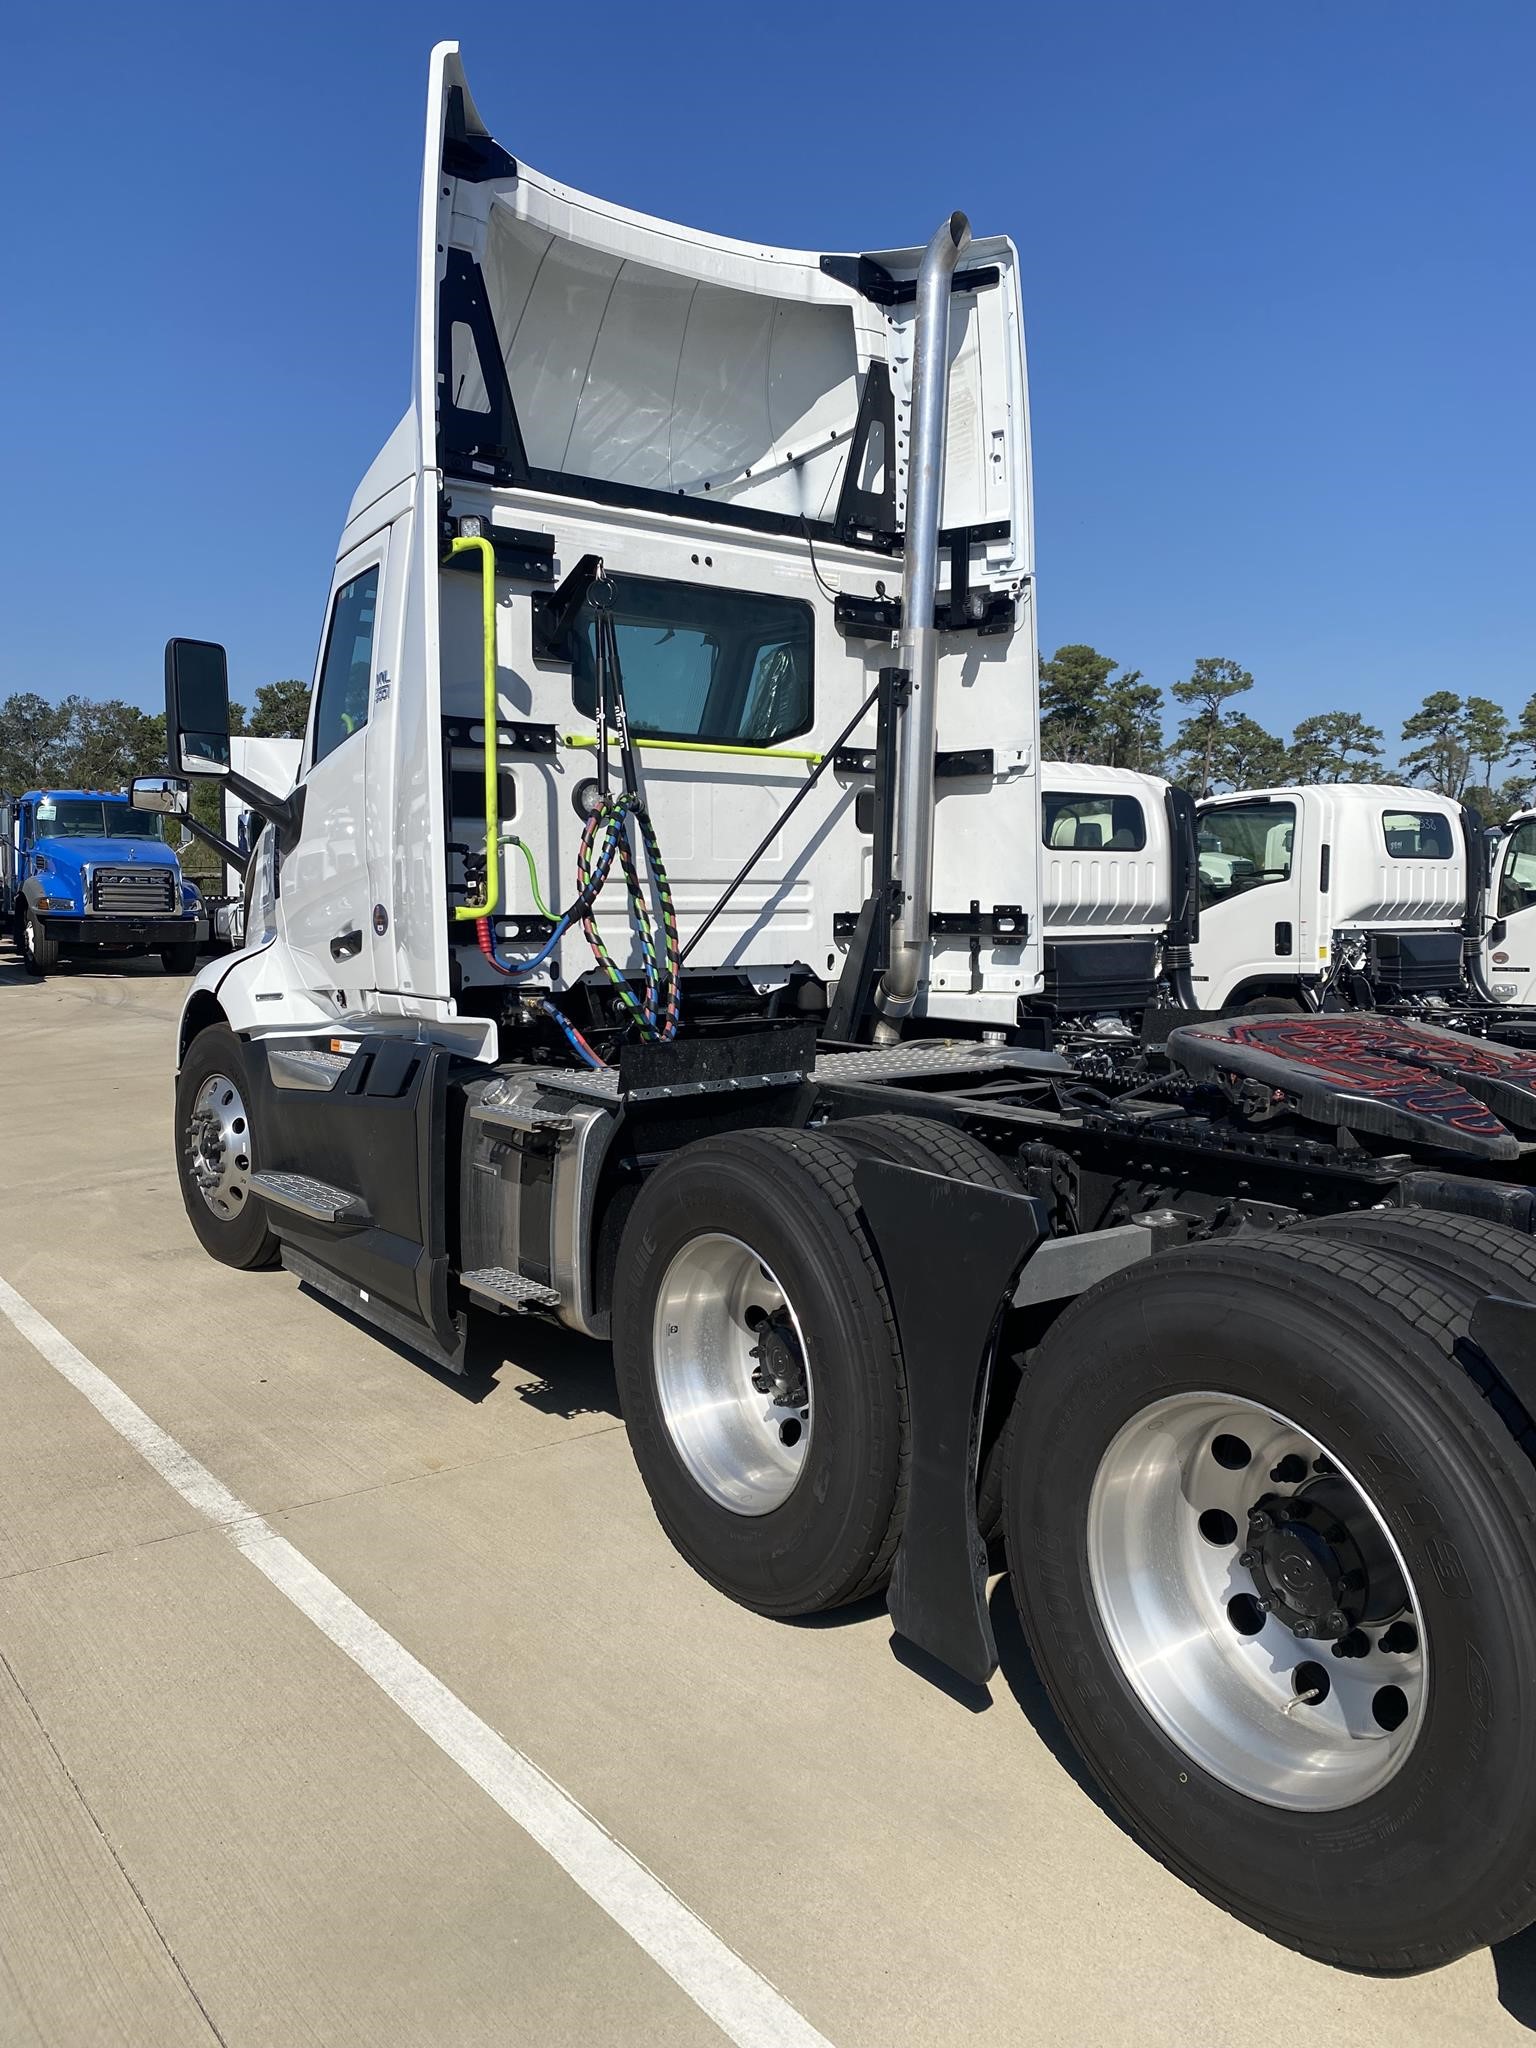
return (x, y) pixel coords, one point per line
(346, 674)
(1243, 847)
(1517, 883)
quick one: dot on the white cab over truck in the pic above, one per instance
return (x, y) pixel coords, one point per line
(627, 953)
(1117, 911)
(1510, 949)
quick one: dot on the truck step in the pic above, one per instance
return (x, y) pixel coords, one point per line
(508, 1289)
(315, 1199)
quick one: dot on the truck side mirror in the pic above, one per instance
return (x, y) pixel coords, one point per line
(197, 707)
(159, 793)
(1498, 932)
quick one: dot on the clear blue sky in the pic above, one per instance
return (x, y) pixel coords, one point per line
(1278, 265)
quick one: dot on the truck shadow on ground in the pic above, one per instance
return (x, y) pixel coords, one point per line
(1514, 1966)
(568, 1375)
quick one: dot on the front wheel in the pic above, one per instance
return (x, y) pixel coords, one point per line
(215, 1153)
(180, 958)
(1274, 1555)
(39, 953)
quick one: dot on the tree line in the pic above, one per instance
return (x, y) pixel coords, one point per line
(1468, 747)
(85, 743)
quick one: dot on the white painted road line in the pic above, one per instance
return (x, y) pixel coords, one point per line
(743, 2004)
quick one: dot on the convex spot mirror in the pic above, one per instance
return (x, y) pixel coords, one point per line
(159, 793)
(197, 706)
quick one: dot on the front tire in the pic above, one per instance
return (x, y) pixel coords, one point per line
(1359, 1786)
(180, 958)
(759, 1372)
(215, 1152)
(39, 953)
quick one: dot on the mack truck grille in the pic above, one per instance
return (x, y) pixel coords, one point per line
(138, 892)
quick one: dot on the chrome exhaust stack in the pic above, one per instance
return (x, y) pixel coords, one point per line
(919, 653)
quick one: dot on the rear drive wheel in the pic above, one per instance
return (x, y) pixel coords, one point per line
(39, 953)
(180, 958)
(759, 1372)
(215, 1154)
(1274, 1556)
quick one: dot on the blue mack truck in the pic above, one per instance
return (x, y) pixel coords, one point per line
(82, 871)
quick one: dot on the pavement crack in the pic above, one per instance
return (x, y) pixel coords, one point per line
(107, 1843)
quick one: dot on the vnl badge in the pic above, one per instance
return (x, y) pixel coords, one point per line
(381, 686)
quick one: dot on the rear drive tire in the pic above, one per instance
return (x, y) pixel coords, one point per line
(745, 1254)
(215, 1154)
(39, 953)
(1375, 1808)
(180, 958)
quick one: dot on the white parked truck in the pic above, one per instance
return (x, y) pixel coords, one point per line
(1510, 947)
(1117, 903)
(626, 954)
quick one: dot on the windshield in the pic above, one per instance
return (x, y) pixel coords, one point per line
(90, 818)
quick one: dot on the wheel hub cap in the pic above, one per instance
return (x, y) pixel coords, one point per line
(220, 1145)
(732, 1379)
(1257, 1602)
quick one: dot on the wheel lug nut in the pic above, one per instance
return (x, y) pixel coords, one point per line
(1259, 1521)
(1249, 1559)
(1302, 1628)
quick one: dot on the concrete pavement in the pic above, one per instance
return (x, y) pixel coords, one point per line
(215, 1828)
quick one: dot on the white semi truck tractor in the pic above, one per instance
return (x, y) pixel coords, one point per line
(627, 954)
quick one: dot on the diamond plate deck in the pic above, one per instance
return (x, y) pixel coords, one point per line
(510, 1290)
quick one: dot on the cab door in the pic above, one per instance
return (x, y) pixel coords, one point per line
(1250, 869)
(323, 887)
(1511, 962)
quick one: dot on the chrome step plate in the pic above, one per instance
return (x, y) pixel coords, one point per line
(315, 1199)
(508, 1289)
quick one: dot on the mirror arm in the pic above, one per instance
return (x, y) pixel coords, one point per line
(230, 855)
(283, 813)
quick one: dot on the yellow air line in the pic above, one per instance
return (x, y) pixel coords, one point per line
(589, 740)
(467, 913)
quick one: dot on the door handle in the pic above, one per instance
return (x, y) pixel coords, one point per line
(346, 945)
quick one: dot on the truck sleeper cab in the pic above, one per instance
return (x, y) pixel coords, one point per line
(84, 872)
(627, 954)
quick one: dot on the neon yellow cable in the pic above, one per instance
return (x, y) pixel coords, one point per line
(589, 740)
(466, 913)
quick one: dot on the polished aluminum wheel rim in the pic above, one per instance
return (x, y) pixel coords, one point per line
(1195, 1606)
(221, 1147)
(731, 1375)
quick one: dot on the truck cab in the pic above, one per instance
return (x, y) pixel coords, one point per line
(1359, 889)
(85, 873)
(1117, 903)
(1510, 948)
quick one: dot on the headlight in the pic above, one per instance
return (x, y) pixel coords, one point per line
(55, 903)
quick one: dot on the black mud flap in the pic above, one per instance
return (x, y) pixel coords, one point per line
(373, 1135)
(1505, 1332)
(951, 1254)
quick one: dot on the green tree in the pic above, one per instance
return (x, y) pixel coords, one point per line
(34, 741)
(282, 710)
(1088, 713)
(1131, 725)
(1212, 684)
(1248, 757)
(1335, 746)
(1443, 758)
(1073, 684)
(1487, 733)
(110, 742)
